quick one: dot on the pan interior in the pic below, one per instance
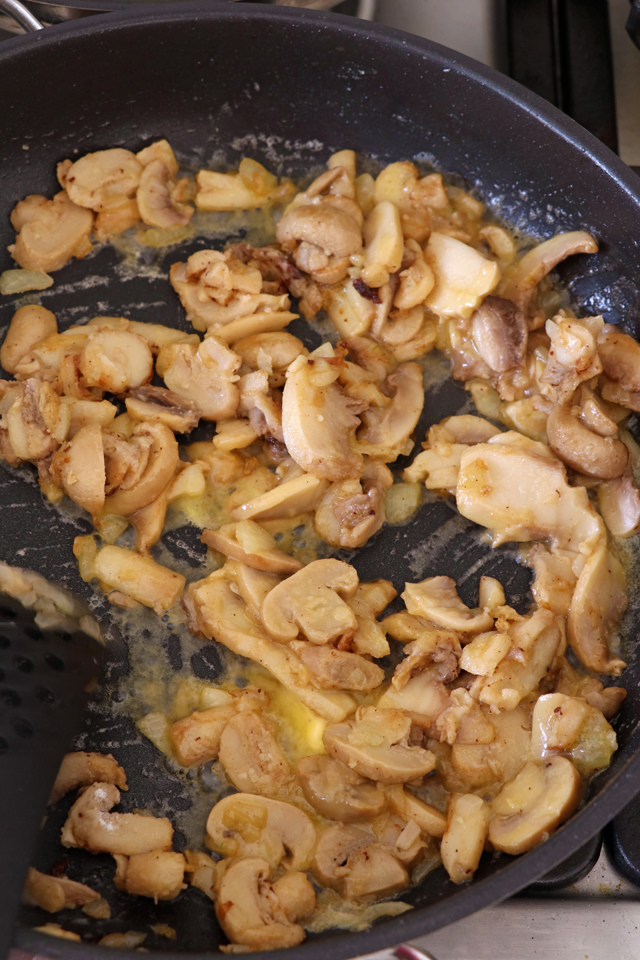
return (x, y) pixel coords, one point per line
(289, 89)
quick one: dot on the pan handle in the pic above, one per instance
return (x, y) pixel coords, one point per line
(23, 16)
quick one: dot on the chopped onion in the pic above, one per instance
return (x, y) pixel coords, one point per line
(20, 281)
(402, 501)
(157, 237)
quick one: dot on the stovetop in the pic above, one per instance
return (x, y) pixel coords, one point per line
(577, 55)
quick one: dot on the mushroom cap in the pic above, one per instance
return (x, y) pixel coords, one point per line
(579, 447)
(537, 801)
(324, 225)
(311, 602)
(103, 179)
(155, 203)
(336, 791)
(371, 745)
(247, 825)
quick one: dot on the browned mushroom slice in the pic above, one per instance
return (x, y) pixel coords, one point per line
(332, 669)
(80, 769)
(349, 859)
(156, 197)
(489, 765)
(159, 458)
(249, 910)
(499, 332)
(375, 745)
(196, 739)
(252, 757)
(102, 180)
(248, 825)
(158, 874)
(55, 893)
(29, 325)
(336, 791)
(54, 232)
(204, 375)
(90, 825)
(579, 447)
(79, 467)
(163, 406)
(251, 544)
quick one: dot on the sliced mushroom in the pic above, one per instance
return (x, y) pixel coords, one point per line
(312, 602)
(571, 726)
(295, 895)
(436, 599)
(156, 203)
(252, 757)
(163, 406)
(138, 577)
(619, 504)
(530, 808)
(133, 492)
(213, 609)
(429, 819)
(247, 825)
(484, 653)
(29, 326)
(196, 739)
(206, 376)
(414, 196)
(487, 766)
(252, 186)
(521, 280)
(332, 669)
(598, 602)
(620, 356)
(349, 859)
(352, 511)
(375, 745)
(79, 467)
(385, 432)
(159, 874)
(101, 180)
(35, 421)
(56, 231)
(499, 332)
(319, 421)
(323, 236)
(249, 910)
(513, 679)
(581, 448)
(113, 221)
(55, 893)
(416, 278)
(464, 838)
(500, 481)
(274, 351)
(80, 769)
(384, 244)
(117, 361)
(463, 277)
(91, 826)
(251, 544)
(290, 498)
(336, 792)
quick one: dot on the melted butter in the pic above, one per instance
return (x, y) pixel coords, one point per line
(300, 728)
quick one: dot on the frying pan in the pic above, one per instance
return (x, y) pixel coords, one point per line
(289, 88)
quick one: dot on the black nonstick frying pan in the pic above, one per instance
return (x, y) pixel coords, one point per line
(288, 88)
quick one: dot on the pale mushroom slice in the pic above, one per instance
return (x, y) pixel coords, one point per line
(384, 244)
(375, 745)
(252, 757)
(312, 603)
(162, 406)
(429, 819)
(214, 610)
(619, 504)
(620, 357)
(499, 333)
(248, 825)
(323, 236)
(90, 825)
(500, 481)
(350, 512)
(488, 766)
(462, 277)
(599, 600)
(34, 421)
(414, 196)
(128, 573)
(513, 679)
(534, 804)
(554, 578)
(79, 468)
(579, 447)
(55, 893)
(572, 357)
(81, 769)
(55, 231)
(332, 669)
(436, 600)
(249, 910)
(336, 792)
(290, 498)
(156, 197)
(158, 874)
(349, 859)
(385, 432)
(319, 420)
(520, 281)
(205, 375)
(573, 727)
(102, 180)
(29, 326)
(250, 187)
(464, 837)
(252, 545)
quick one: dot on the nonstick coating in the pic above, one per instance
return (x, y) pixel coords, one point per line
(289, 87)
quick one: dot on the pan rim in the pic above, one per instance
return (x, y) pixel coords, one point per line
(519, 872)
